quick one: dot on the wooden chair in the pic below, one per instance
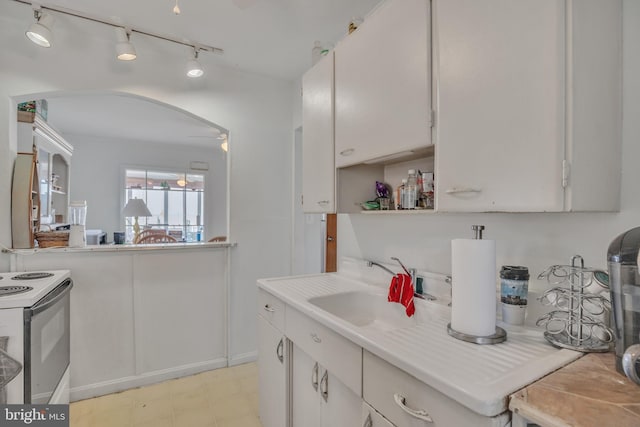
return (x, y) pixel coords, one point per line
(156, 238)
(218, 239)
(150, 232)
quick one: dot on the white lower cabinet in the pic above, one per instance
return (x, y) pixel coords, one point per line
(272, 374)
(407, 402)
(372, 418)
(318, 397)
(311, 376)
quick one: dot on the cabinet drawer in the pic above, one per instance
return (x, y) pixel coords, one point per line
(383, 381)
(337, 354)
(271, 308)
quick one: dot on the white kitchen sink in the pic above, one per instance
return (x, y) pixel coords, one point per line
(366, 310)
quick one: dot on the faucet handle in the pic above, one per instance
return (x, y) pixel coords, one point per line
(406, 270)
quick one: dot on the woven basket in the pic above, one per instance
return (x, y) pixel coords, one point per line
(52, 239)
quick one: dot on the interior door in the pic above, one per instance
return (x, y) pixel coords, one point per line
(331, 246)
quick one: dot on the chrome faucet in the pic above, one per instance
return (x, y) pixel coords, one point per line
(412, 272)
(372, 263)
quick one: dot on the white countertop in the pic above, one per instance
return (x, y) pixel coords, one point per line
(125, 248)
(480, 377)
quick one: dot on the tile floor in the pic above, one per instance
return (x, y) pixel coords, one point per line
(225, 397)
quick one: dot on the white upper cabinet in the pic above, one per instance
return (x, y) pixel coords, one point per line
(383, 84)
(318, 170)
(528, 105)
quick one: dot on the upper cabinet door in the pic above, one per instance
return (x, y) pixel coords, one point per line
(383, 84)
(500, 121)
(318, 170)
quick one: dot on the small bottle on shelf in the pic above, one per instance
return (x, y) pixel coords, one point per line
(399, 202)
(411, 191)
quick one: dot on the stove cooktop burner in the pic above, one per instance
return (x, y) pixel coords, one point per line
(32, 276)
(10, 290)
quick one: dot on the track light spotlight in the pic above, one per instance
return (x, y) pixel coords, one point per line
(193, 66)
(124, 48)
(40, 31)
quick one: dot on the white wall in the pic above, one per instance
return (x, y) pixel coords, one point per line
(255, 109)
(96, 176)
(533, 240)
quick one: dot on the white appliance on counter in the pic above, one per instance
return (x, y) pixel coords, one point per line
(34, 315)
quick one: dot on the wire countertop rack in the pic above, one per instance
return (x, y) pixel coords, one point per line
(579, 321)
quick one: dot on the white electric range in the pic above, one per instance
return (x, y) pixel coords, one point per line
(34, 318)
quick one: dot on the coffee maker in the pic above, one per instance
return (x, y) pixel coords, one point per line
(624, 282)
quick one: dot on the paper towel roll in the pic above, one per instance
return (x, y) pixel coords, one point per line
(473, 296)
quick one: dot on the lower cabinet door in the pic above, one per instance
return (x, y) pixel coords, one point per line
(371, 418)
(305, 385)
(340, 407)
(272, 375)
(319, 398)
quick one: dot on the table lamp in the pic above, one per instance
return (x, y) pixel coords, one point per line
(135, 208)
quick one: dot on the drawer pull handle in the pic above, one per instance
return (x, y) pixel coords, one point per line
(323, 202)
(268, 308)
(324, 386)
(314, 377)
(368, 422)
(316, 338)
(416, 413)
(347, 152)
(456, 190)
(280, 350)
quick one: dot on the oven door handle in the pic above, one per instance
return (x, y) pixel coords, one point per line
(52, 297)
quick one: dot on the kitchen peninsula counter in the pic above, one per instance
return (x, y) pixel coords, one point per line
(588, 392)
(141, 314)
(123, 248)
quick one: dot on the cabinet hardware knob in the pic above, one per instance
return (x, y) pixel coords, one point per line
(280, 350)
(268, 308)
(347, 152)
(416, 413)
(316, 338)
(324, 386)
(455, 190)
(329, 239)
(314, 377)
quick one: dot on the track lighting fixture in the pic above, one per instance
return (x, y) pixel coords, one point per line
(40, 31)
(124, 49)
(194, 69)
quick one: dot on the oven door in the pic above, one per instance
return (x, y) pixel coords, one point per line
(46, 344)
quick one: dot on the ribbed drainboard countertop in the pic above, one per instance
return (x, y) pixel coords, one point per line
(480, 377)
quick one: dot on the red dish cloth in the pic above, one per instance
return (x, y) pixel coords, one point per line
(401, 291)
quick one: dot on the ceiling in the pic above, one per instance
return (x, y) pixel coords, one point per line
(126, 117)
(268, 37)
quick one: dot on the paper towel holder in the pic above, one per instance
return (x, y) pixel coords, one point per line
(500, 334)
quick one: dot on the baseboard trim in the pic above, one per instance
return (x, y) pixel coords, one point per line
(239, 359)
(148, 378)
